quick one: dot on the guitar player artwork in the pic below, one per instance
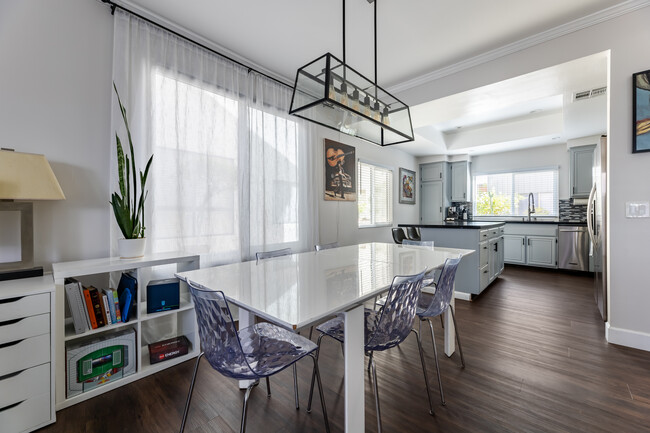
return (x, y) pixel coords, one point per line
(340, 165)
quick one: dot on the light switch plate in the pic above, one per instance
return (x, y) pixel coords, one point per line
(637, 209)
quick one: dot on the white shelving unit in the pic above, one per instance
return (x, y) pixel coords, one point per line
(149, 328)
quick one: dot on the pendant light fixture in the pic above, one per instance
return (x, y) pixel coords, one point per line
(329, 92)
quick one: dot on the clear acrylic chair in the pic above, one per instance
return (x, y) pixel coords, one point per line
(321, 247)
(436, 304)
(252, 353)
(263, 255)
(384, 329)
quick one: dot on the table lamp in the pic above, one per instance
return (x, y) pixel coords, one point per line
(28, 177)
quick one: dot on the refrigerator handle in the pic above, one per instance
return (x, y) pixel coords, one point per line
(590, 213)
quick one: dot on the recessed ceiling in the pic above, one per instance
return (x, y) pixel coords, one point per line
(415, 38)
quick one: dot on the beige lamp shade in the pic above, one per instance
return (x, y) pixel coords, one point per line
(27, 176)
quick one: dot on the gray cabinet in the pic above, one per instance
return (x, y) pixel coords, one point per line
(541, 251)
(460, 182)
(515, 249)
(433, 171)
(431, 202)
(581, 165)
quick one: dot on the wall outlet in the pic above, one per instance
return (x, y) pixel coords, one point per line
(639, 209)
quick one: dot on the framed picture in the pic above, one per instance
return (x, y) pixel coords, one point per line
(340, 171)
(406, 186)
(641, 109)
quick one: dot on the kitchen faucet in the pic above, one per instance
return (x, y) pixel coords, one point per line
(531, 204)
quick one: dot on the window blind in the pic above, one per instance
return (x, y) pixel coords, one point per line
(375, 199)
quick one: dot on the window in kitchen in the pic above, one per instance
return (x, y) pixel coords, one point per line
(375, 199)
(506, 194)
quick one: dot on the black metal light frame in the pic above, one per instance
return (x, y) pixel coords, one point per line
(316, 98)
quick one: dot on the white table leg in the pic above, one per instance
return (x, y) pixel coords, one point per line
(246, 319)
(450, 331)
(354, 371)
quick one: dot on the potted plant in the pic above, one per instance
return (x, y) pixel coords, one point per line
(128, 205)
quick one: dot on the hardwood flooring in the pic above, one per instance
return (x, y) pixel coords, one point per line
(537, 361)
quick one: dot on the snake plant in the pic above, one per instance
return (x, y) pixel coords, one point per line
(128, 206)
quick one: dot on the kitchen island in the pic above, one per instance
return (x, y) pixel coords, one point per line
(475, 271)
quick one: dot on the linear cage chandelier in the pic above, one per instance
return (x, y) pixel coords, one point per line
(329, 92)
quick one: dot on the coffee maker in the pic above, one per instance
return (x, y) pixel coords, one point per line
(452, 213)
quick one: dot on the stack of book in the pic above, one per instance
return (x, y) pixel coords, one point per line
(93, 308)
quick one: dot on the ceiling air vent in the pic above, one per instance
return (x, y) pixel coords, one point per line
(586, 94)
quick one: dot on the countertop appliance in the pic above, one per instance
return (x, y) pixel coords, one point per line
(597, 225)
(573, 248)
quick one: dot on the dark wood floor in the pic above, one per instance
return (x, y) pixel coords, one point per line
(537, 361)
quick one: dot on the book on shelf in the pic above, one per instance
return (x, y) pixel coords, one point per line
(97, 307)
(126, 290)
(84, 308)
(116, 301)
(76, 306)
(111, 304)
(105, 309)
(89, 308)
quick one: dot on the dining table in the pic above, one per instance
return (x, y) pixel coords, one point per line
(303, 289)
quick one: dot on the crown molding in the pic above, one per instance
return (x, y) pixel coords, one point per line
(545, 36)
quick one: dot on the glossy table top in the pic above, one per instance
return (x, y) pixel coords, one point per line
(300, 289)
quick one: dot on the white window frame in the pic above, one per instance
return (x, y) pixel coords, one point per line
(389, 192)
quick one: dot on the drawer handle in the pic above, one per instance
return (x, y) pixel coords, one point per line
(10, 300)
(11, 322)
(11, 406)
(12, 343)
(10, 375)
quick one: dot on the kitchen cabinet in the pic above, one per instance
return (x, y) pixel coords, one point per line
(460, 182)
(433, 171)
(530, 244)
(581, 165)
(541, 251)
(431, 202)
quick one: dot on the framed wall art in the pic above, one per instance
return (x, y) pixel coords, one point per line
(641, 110)
(406, 186)
(340, 171)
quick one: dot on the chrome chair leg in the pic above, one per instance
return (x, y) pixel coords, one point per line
(311, 331)
(424, 370)
(189, 394)
(295, 384)
(460, 349)
(243, 414)
(435, 355)
(442, 322)
(313, 375)
(268, 387)
(376, 389)
(369, 361)
(320, 392)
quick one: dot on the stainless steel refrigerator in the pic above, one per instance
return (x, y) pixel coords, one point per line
(597, 225)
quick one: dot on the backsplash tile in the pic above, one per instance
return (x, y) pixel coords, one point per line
(572, 213)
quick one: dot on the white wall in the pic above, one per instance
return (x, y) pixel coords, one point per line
(338, 220)
(55, 88)
(545, 156)
(628, 174)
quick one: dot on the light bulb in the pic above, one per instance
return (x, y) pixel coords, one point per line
(354, 102)
(332, 90)
(384, 117)
(376, 113)
(344, 94)
(365, 108)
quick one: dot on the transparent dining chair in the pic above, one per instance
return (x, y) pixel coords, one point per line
(263, 255)
(435, 305)
(252, 353)
(384, 329)
(321, 247)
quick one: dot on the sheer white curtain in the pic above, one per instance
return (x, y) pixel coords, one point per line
(232, 172)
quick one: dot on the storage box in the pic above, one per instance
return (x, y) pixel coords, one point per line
(168, 349)
(163, 295)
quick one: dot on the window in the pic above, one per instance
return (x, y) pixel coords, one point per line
(375, 197)
(506, 194)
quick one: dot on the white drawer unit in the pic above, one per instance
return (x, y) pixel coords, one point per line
(26, 354)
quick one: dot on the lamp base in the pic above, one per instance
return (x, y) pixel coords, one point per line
(21, 273)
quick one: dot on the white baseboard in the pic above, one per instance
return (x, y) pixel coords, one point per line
(625, 337)
(463, 296)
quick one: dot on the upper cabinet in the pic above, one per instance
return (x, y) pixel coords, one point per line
(460, 183)
(433, 171)
(581, 163)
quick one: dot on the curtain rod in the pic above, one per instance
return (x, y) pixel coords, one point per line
(113, 6)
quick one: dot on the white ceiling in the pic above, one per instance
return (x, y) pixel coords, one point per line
(416, 38)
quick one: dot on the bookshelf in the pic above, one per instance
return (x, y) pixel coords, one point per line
(149, 328)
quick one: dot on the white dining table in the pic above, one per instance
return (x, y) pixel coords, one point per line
(303, 289)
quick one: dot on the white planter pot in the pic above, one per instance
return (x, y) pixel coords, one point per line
(131, 248)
